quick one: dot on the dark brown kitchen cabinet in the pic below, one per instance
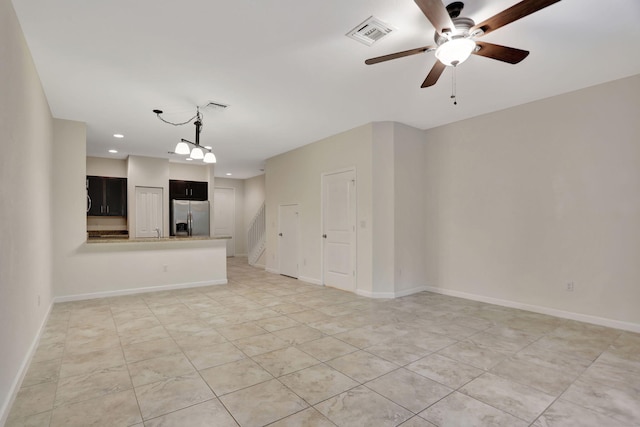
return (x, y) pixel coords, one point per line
(188, 190)
(107, 196)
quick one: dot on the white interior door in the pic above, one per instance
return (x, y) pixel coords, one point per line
(149, 212)
(339, 229)
(288, 235)
(224, 214)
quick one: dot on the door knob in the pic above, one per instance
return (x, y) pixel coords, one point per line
(280, 234)
(324, 236)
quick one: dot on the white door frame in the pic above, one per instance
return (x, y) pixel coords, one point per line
(280, 205)
(322, 240)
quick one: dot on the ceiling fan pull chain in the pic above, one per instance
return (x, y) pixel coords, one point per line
(453, 86)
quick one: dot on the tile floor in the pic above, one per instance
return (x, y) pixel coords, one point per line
(270, 350)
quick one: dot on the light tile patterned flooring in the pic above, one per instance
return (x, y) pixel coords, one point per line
(269, 350)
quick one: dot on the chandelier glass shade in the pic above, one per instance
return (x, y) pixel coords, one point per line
(209, 157)
(455, 52)
(197, 153)
(182, 148)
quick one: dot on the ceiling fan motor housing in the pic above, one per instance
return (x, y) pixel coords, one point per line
(455, 8)
(462, 26)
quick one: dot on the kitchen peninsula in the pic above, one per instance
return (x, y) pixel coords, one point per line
(127, 266)
(153, 239)
(85, 269)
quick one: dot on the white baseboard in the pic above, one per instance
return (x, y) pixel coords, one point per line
(311, 280)
(122, 292)
(262, 266)
(611, 323)
(380, 295)
(411, 291)
(22, 371)
(240, 255)
(271, 270)
(369, 294)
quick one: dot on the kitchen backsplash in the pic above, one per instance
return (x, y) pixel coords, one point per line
(101, 223)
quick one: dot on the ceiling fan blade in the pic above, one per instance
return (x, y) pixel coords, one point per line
(437, 14)
(501, 53)
(434, 74)
(515, 12)
(391, 56)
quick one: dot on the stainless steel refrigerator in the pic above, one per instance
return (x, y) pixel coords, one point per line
(189, 218)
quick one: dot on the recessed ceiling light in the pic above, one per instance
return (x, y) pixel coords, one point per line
(118, 135)
(189, 159)
(113, 151)
(228, 174)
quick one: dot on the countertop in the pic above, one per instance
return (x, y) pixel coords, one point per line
(154, 239)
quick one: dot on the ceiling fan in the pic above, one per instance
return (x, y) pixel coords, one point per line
(455, 35)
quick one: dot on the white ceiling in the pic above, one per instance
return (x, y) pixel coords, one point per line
(289, 74)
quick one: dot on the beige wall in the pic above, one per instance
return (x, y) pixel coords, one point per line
(188, 172)
(523, 201)
(100, 166)
(398, 210)
(295, 177)
(69, 202)
(409, 202)
(383, 211)
(25, 200)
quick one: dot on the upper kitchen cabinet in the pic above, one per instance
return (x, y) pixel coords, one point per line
(107, 196)
(188, 190)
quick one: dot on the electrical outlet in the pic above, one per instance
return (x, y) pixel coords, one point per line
(165, 268)
(570, 287)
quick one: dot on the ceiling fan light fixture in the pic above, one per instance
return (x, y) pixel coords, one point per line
(455, 52)
(182, 148)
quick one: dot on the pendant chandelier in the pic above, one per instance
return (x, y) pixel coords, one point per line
(193, 149)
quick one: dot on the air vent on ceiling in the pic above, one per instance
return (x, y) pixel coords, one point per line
(370, 31)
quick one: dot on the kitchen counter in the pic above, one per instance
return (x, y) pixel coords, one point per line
(115, 266)
(154, 239)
